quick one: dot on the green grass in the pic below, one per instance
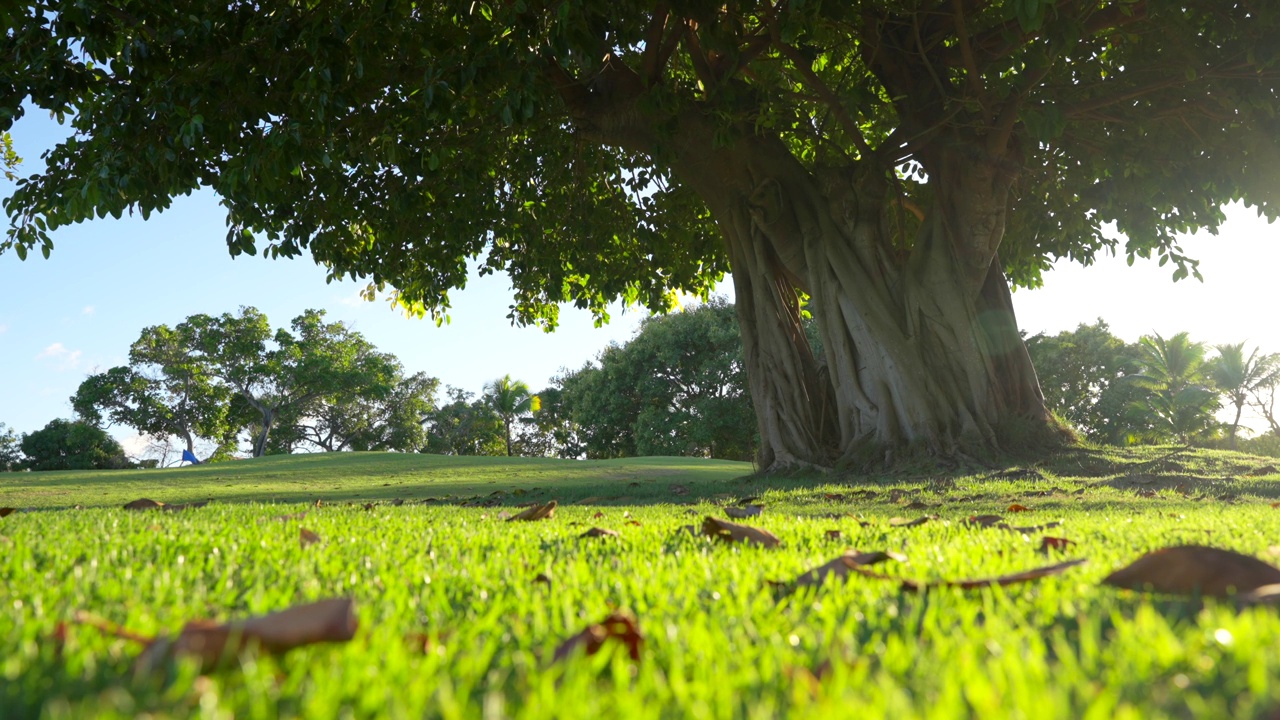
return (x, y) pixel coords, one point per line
(718, 641)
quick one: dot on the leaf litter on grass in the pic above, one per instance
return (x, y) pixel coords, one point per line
(733, 532)
(213, 643)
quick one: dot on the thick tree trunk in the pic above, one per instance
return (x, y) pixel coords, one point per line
(920, 346)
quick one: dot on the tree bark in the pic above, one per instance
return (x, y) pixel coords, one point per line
(920, 345)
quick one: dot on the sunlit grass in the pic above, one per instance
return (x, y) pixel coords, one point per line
(719, 641)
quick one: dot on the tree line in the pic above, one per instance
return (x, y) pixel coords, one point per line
(1158, 389)
(229, 384)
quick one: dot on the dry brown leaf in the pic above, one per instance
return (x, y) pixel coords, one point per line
(1055, 543)
(633, 522)
(1018, 508)
(1012, 579)
(537, 512)
(1028, 529)
(598, 515)
(916, 505)
(985, 520)
(307, 537)
(739, 513)
(212, 643)
(7, 511)
(733, 532)
(599, 532)
(903, 522)
(1265, 595)
(1188, 569)
(679, 490)
(691, 529)
(588, 500)
(834, 534)
(619, 625)
(841, 567)
(144, 504)
(542, 578)
(833, 496)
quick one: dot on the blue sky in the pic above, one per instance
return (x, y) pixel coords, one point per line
(78, 312)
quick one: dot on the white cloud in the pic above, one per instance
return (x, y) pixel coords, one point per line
(89, 310)
(62, 358)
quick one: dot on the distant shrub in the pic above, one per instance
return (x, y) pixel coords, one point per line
(72, 445)
(1262, 445)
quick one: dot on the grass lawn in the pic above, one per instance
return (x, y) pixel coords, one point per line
(455, 621)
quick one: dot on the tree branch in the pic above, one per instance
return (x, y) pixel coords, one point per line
(826, 93)
(650, 69)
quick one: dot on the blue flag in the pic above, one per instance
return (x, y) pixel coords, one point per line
(188, 457)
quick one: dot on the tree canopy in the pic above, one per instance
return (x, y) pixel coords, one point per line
(884, 164)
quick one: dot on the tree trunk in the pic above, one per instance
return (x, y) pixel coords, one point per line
(920, 346)
(260, 442)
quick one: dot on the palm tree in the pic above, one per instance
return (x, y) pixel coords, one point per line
(1238, 377)
(511, 399)
(1178, 402)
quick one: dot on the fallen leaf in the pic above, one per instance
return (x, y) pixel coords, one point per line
(213, 643)
(733, 532)
(319, 503)
(840, 567)
(985, 520)
(1028, 529)
(588, 500)
(738, 513)
(542, 578)
(633, 522)
(619, 625)
(1012, 579)
(144, 504)
(537, 512)
(599, 532)
(370, 506)
(679, 490)
(903, 522)
(598, 515)
(916, 505)
(1188, 569)
(833, 496)
(307, 537)
(834, 534)
(1055, 543)
(7, 511)
(1018, 508)
(691, 529)
(1264, 470)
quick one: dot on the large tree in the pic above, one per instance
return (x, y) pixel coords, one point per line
(1239, 378)
(887, 165)
(1082, 373)
(165, 391)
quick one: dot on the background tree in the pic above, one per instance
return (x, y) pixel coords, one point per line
(380, 417)
(286, 374)
(1177, 402)
(552, 431)
(72, 445)
(1238, 378)
(677, 388)
(165, 390)
(888, 166)
(1081, 372)
(464, 426)
(511, 400)
(10, 449)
